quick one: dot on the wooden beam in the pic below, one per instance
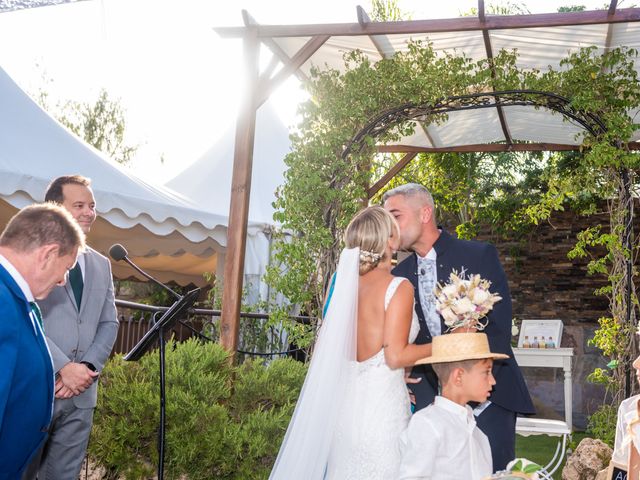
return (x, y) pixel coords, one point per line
(490, 147)
(289, 68)
(393, 171)
(379, 41)
(267, 72)
(271, 44)
(489, 50)
(284, 57)
(612, 7)
(240, 195)
(248, 19)
(607, 41)
(462, 24)
(425, 128)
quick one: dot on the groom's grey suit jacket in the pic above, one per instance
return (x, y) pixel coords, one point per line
(87, 335)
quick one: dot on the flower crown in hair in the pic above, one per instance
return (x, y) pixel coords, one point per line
(367, 256)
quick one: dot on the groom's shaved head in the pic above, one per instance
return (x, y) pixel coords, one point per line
(413, 191)
(412, 207)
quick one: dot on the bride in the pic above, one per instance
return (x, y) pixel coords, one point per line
(354, 402)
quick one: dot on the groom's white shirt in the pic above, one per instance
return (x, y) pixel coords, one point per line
(443, 442)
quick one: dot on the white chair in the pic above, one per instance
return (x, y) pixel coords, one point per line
(549, 358)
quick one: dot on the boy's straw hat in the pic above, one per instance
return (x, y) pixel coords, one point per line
(456, 347)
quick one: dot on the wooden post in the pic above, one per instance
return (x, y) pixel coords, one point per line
(240, 194)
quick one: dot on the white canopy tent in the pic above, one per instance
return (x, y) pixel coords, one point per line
(201, 183)
(164, 232)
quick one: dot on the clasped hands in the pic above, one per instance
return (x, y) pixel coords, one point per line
(73, 379)
(408, 379)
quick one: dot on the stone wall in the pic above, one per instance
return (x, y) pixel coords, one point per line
(545, 284)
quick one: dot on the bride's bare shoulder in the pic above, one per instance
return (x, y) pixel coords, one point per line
(403, 292)
(375, 285)
(403, 283)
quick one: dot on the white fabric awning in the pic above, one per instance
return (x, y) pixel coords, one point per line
(541, 41)
(163, 230)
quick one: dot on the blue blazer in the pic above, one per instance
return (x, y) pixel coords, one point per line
(26, 381)
(510, 391)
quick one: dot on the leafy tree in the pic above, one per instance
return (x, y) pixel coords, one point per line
(101, 124)
(386, 11)
(501, 8)
(573, 8)
(474, 189)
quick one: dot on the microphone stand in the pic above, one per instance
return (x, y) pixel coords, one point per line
(180, 306)
(146, 275)
(163, 404)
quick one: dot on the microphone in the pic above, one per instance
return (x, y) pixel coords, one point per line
(118, 252)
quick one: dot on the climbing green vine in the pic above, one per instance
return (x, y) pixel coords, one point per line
(322, 190)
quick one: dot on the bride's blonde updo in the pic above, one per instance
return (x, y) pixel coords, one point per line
(370, 230)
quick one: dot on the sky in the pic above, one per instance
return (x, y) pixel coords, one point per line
(176, 79)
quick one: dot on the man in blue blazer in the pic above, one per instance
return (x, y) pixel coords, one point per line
(37, 248)
(435, 255)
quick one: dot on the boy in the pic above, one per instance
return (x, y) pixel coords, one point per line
(442, 441)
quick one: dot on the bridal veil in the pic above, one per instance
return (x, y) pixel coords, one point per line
(306, 445)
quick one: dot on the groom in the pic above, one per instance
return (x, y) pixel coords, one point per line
(436, 254)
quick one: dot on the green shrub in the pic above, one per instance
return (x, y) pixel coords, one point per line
(602, 424)
(222, 422)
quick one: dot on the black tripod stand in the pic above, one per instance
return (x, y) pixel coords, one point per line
(177, 311)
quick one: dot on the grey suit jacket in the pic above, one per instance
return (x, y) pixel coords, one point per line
(89, 334)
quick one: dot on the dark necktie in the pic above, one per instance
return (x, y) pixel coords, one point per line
(77, 284)
(36, 311)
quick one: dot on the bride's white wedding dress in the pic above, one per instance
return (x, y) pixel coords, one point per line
(349, 414)
(377, 410)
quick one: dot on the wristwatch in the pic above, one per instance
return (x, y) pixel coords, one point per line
(90, 366)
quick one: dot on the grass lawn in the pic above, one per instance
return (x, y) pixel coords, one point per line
(540, 448)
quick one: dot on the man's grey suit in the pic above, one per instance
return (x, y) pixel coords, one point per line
(87, 335)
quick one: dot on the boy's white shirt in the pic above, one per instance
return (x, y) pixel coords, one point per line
(442, 442)
(626, 414)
